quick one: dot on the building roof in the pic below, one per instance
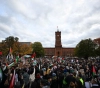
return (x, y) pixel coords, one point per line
(27, 43)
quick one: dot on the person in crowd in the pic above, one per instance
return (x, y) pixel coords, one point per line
(54, 82)
(44, 84)
(32, 75)
(36, 83)
(63, 74)
(26, 78)
(88, 84)
(94, 83)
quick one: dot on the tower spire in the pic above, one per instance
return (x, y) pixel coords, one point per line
(57, 28)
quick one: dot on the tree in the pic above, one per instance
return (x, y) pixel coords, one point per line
(17, 47)
(10, 41)
(38, 49)
(85, 48)
(98, 51)
(25, 49)
(7, 43)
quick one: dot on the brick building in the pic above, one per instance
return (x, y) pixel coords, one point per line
(58, 50)
(97, 40)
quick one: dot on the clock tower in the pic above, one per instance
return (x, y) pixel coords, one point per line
(58, 45)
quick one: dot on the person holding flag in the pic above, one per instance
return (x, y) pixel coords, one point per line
(10, 56)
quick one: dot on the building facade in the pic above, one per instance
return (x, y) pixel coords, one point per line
(97, 41)
(58, 50)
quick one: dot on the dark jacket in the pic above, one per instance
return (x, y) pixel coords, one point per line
(26, 78)
(54, 83)
(36, 83)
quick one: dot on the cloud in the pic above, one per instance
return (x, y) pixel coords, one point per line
(37, 20)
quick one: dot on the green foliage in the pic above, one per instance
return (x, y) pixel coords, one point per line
(85, 48)
(38, 49)
(98, 51)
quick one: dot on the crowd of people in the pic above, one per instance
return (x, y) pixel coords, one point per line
(51, 73)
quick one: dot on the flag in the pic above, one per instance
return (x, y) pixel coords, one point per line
(17, 59)
(33, 55)
(93, 71)
(6, 64)
(1, 75)
(62, 58)
(10, 56)
(23, 60)
(12, 82)
(10, 51)
(0, 53)
(34, 62)
(12, 64)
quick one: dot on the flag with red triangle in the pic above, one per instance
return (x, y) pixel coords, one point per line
(12, 82)
(93, 71)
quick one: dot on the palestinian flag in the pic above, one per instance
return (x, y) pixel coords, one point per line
(10, 56)
(17, 59)
(93, 71)
(10, 65)
(1, 75)
(12, 82)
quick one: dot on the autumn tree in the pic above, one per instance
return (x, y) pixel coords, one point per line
(25, 49)
(38, 49)
(16, 46)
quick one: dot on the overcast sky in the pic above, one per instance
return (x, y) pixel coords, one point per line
(37, 20)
